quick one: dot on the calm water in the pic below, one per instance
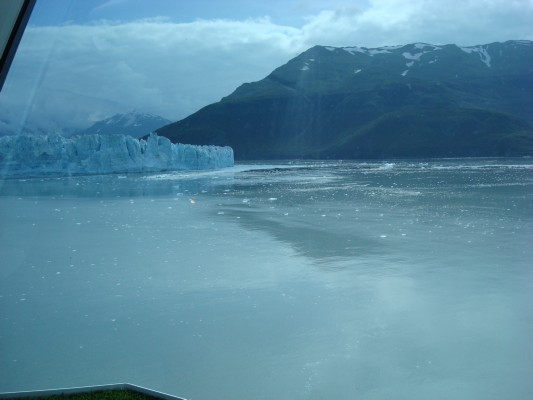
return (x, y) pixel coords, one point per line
(406, 280)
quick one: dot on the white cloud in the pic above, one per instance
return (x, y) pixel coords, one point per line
(156, 66)
(389, 22)
(72, 73)
(109, 3)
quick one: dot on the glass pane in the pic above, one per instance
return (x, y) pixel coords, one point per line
(329, 206)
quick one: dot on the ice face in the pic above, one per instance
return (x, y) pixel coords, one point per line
(101, 154)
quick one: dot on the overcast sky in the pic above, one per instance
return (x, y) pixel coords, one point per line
(81, 61)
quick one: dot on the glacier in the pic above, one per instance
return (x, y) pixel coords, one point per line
(31, 156)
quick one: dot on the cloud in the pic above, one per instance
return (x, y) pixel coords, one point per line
(109, 3)
(152, 65)
(390, 22)
(72, 73)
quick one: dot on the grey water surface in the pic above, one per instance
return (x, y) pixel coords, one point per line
(303, 280)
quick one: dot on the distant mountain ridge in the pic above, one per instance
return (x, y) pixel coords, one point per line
(133, 123)
(414, 100)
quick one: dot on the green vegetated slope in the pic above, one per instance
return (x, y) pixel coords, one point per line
(417, 100)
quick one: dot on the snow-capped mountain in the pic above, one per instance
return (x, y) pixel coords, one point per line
(414, 100)
(134, 124)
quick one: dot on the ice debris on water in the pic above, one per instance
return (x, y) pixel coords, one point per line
(22, 156)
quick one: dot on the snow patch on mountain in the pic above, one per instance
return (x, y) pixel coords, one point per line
(373, 52)
(353, 50)
(410, 56)
(370, 52)
(481, 50)
(415, 56)
(422, 46)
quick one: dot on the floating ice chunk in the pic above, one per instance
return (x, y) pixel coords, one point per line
(387, 166)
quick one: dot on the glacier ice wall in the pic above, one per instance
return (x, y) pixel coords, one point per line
(22, 156)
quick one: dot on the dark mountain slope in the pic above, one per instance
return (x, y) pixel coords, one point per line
(416, 100)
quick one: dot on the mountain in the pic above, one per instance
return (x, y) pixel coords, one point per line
(134, 124)
(415, 100)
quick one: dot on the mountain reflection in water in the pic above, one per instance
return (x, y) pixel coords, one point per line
(370, 280)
